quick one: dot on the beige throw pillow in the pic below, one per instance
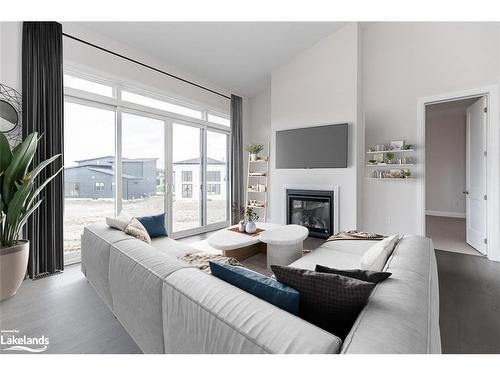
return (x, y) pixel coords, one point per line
(119, 222)
(377, 255)
(137, 230)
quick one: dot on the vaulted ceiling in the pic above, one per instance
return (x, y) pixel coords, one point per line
(239, 56)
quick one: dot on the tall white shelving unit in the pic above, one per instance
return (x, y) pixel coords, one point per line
(258, 175)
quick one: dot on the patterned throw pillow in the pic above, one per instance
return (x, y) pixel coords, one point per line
(329, 301)
(137, 230)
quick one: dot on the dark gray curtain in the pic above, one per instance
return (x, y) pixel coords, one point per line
(237, 178)
(42, 72)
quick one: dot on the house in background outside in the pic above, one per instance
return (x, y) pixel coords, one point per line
(186, 179)
(94, 178)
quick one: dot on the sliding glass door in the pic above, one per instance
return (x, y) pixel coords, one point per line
(142, 165)
(217, 179)
(187, 177)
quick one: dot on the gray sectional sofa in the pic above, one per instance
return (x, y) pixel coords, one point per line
(169, 307)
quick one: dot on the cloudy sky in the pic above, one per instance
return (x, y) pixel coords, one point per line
(89, 132)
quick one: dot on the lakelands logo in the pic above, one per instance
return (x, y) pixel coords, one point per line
(12, 340)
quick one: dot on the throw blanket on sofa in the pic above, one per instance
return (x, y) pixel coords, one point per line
(355, 235)
(200, 260)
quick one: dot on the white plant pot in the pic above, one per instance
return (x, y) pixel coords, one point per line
(13, 265)
(251, 227)
(241, 228)
(253, 157)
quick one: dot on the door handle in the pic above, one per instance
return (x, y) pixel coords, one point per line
(465, 192)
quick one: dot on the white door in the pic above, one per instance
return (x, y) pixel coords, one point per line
(475, 192)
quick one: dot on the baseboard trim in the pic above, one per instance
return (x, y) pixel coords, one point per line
(446, 214)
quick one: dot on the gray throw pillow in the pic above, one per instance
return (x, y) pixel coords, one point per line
(329, 301)
(363, 275)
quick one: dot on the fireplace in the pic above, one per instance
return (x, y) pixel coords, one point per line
(312, 209)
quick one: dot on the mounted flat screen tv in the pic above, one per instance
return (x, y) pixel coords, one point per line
(313, 147)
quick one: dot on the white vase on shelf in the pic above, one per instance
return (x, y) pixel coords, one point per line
(251, 227)
(253, 157)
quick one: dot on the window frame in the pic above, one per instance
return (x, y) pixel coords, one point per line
(119, 107)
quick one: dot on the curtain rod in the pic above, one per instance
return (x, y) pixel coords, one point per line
(145, 65)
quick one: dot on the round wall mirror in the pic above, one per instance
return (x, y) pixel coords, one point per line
(8, 117)
(10, 114)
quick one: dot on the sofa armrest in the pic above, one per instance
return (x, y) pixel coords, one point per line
(202, 314)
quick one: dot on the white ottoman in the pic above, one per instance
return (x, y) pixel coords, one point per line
(284, 245)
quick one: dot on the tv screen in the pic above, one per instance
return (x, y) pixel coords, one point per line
(313, 147)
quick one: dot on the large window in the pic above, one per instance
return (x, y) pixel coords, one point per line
(122, 153)
(217, 169)
(143, 165)
(89, 149)
(160, 104)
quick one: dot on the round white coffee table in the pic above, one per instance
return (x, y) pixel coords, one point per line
(285, 244)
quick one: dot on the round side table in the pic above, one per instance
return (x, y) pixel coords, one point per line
(284, 245)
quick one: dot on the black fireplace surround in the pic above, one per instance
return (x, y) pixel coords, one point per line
(312, 209)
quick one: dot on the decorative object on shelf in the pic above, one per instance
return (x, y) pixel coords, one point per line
(241, 226)
(397, 145)
(253, 149)
(257, 181)
(252, 217)
(18, 201)
(389, 156)
(10, 114)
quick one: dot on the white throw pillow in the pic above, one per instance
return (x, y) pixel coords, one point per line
(377, 255)
(119, 222)
(137, 230)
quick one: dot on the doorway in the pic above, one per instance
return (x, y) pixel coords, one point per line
(455, 174)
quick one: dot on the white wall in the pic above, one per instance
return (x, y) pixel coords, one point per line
(10, 54)
(320, 86)
(402, 62)
(259, 125)
(445, 161)
(92, 60)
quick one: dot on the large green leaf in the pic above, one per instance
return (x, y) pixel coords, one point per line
(26, 215)
(41, 166)
(21, 159)
(17, 204)
(33, 196)
(5, 153)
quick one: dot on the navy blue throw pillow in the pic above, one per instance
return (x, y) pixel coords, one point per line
(155, 225)
(263, 287)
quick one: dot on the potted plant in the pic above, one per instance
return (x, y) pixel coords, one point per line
(254, 149)
(252, 217)
(390, 157)
(239, 215)
(18, 200)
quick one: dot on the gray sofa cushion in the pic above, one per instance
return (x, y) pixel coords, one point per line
(136, 273)
(172, 247)
(203, 314)
(401, 315)
(335, 254)
(96, 242)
